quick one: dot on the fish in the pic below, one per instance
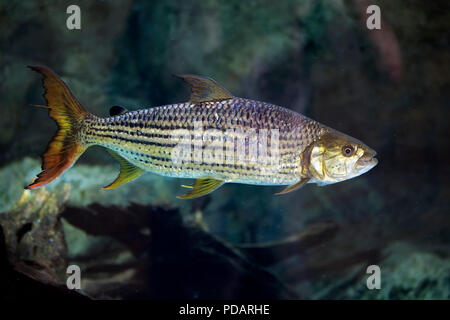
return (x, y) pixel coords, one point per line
(214, 137)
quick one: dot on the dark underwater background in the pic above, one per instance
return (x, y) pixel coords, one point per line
(389, 88)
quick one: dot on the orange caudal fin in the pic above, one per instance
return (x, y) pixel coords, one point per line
(64, 149)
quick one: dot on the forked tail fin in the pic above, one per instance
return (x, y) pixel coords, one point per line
(64, 149)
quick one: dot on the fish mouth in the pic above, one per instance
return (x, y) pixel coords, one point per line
(368, 159)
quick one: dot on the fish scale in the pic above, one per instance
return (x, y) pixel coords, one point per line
(144, 138)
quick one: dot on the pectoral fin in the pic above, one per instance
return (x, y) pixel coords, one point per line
(128, 171)
(201, 187)
(204, 89)
(294, 186)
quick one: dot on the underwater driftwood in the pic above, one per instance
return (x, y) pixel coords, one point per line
(268, 253)
(145, 252)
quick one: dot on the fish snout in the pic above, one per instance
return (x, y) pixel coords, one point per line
(368, 158)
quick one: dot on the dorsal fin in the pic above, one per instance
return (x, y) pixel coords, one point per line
(204, 89)
(117, 110)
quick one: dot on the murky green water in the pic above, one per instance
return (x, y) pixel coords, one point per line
(387, 87)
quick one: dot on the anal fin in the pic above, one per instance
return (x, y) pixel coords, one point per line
(294, 186)
(128, 171)
(201, 187)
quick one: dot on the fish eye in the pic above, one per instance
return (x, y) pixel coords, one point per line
(348, 150)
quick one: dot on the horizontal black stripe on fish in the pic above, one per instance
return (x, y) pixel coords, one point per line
(135, 141)
(193, 137)
(223, 168)
(225, 159)
(211, 145)
(159, 128)
(188, 123)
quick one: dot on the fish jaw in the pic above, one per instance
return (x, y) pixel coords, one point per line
(367, 161)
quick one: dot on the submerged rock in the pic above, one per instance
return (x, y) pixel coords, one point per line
(33, 235)
(409, 272)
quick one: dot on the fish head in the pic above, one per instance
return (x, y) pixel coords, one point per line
(337, 157)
